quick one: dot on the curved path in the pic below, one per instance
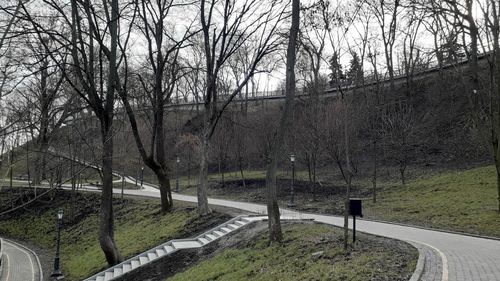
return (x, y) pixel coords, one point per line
(19, 263)
(455, 257)
(462, 258)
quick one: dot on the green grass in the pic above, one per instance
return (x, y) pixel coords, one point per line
(372, 259)
(139, 226)
(462, 201)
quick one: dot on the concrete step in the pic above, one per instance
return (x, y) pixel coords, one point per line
(127, 267)
(135, 264)
(169, 248)
(118, 271)
(225, 229)
(240, 223)
(108, 275)
(174, 245)
(160, 252)
(152, 256)
(211, 236)
(233, 226)
(186, 244)
(143, 260)
(203, 240)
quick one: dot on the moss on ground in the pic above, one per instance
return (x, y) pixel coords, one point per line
(139, 226)
(463, 201)
(309, 252)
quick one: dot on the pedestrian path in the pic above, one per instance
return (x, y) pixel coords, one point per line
(452, 257)
(19, 263)
(458, 258)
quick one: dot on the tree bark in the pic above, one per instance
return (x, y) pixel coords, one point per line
(348, 178)
(374, 175)
(203, 208)
(273, 212)
(106, 227)
(106, 224)
(496, 48)
(165, 191)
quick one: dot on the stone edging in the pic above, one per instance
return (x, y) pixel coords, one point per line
(31, 252)
(434, 229)
(419, 269)
(1, 256)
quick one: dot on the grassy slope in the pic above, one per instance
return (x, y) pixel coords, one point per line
(462, 201)
(139, 226)
(373, 258)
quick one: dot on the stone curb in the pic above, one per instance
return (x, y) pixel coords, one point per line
(434, 229)
(419, 269)
(1, 256)
(31, 252)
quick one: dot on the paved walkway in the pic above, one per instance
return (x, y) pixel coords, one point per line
(453, 257)
(460, 257)
(19, 263)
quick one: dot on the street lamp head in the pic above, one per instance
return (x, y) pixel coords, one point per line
(142, 168)
(178, 160)
(292, 158)
(60, 214)
(474, 91)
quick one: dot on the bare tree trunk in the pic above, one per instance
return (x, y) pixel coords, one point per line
(273, 212)
(241, 172)
(349, 180)
(496, 48)
(314, 178)
(165, 191)
(106, 224)
(374, 176)
(203, 208)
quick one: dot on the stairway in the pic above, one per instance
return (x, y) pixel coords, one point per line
(174, 245)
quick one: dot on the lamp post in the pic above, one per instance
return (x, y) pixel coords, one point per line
(292, 191)
(142, 175)
(57, 274)
(177, 161)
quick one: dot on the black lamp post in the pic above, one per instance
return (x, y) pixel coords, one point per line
(292, 191)
(177, 161)
(142, 175)
(57, 274)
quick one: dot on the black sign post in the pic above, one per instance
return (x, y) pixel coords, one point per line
(355, 209)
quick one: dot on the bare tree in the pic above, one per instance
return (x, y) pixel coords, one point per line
(491, 14)
(223, 34)
(399, 129)
(273, 212)
(386, 13)
(163, 58)
(49, 102)
(461, 14)
(95, 47)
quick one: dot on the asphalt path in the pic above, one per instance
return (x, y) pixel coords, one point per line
(459, 257)
(456, 257)
(19, 263)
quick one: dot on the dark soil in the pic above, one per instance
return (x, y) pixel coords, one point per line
(320, 198)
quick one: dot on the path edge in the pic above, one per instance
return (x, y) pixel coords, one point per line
(40, 269)
(419, 268)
